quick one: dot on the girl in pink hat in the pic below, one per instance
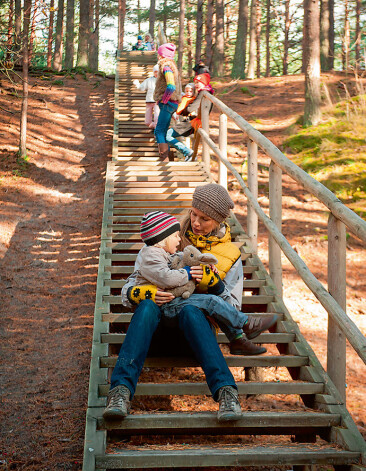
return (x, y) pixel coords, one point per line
(166, 95)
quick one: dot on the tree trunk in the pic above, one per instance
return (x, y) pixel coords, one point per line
(165, 18)
(199, 32)
(24, 110)
(209, 32)
(18, 25)
(50, 34)
(82, 56)
(182, 12)
(238, 70)
(189, 44)
(331, 34)
(252, 47)
(358, 34)
(121, 22)
(138, 16)
(219, 55)
(57, 58)
(312, 112)
(268, 35)
(69, 43)
(324, 35)
(287, 33)
(228, 22)
(303, 42)
(93, 36)
(346, 39)
(258, 37)
(152, 15)
(33, 30)
(10, 31)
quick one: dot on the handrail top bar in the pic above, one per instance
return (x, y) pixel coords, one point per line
(356, 224)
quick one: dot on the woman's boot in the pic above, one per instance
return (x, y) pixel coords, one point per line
(164, 151)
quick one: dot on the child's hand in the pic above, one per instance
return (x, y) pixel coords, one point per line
(197, 273)
(214, 269)
(162, 297)
(136, 83)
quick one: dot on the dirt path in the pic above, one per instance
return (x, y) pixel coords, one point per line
(50, 223)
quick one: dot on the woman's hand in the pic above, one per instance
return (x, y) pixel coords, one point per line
(197, 273)
(162, 297)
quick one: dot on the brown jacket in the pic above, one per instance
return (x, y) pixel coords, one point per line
(160, 86)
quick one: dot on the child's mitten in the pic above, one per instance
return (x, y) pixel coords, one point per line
(211, 282)
(136, 294)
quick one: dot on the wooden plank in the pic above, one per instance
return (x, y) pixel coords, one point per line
(248, 284)
(233, 456)
(198, 421)
(153, 196)
(246, 300)
(287, 361)
(221, 338)
(183, 388)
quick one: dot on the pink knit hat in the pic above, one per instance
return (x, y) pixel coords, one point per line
(167, 50)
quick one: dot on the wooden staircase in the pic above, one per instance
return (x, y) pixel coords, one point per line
(158, 434)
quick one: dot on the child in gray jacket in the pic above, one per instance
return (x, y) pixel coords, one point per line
(160, 232)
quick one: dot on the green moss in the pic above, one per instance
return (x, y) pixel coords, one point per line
(334, 152)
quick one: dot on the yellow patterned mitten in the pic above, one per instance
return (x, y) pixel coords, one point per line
(211, 282)
(136, 294)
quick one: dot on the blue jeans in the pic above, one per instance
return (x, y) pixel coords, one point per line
(165, 115)
(227, 316)
(170, 138)
(196, 329)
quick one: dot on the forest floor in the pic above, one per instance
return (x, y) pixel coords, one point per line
(50, 220)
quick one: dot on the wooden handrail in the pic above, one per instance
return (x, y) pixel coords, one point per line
(347, 326)
(354, 223)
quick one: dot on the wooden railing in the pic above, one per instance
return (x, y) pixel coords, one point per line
(340, 326)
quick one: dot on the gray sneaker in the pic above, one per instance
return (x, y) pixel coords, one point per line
(230, 409)
(118, 403)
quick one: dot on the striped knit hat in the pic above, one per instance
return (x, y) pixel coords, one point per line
(156, 226)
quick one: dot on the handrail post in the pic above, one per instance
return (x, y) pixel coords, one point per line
(205, 112)
(275, 213)
(252, 221)
(223, 148)
(336, 353)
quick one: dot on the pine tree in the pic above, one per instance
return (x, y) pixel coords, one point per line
(69, 43)
(252, 35)
(238, 69)
(312, 112)
(219, 54)
(57, 57)
(83, 40)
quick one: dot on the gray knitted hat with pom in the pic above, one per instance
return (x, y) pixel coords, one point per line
(213, 200)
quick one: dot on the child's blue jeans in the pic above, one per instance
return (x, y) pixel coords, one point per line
(165, 115)
(229, 319)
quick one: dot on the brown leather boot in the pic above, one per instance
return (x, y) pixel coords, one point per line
(171, 156)
(243, 346)
(256, 325)
(164, 151)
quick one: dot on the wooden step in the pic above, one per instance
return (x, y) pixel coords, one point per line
(262, 422)
(288, 361)
(270, 338)
(233, 456)
(197, 389)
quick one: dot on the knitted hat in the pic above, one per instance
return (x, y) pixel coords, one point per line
(167, 50)
(139, 37)
(213, 200)
(156, 226)
(203, 78)
(156, 68)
